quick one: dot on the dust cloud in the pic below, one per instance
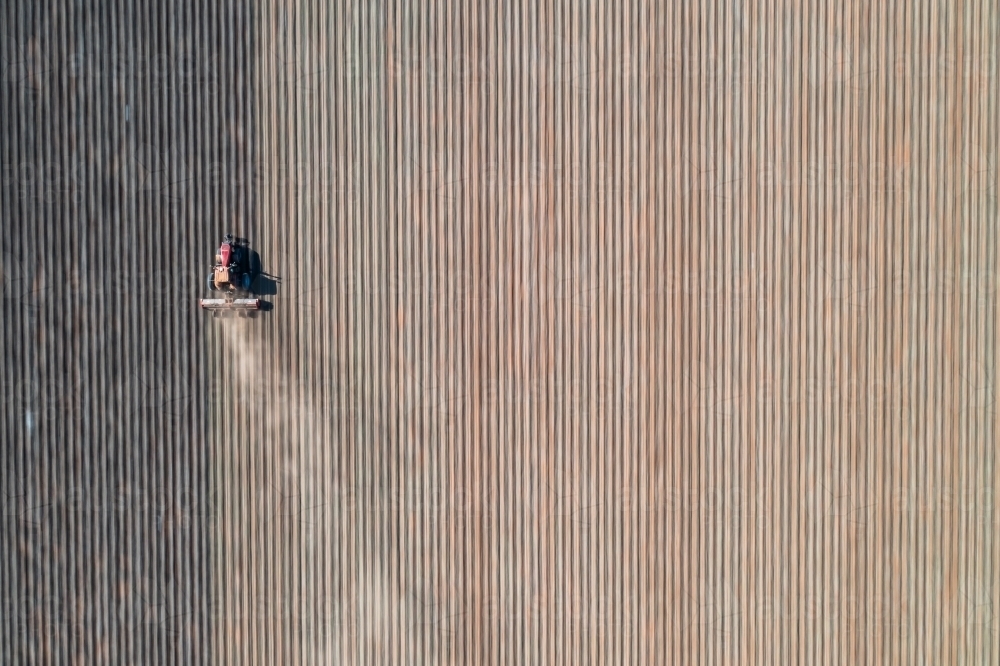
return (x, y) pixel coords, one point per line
(277, 558)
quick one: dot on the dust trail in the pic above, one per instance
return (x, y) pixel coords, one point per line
(277, 536)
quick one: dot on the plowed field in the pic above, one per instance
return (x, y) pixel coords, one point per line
(598, 332)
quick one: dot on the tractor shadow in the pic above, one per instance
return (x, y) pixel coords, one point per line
(264, 284)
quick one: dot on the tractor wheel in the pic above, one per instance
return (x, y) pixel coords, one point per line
(211, 282)
(247, 282)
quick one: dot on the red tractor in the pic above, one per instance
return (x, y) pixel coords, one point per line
(233, 274)
(232, 271)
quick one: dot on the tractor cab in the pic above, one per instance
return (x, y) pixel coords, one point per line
(231, 254)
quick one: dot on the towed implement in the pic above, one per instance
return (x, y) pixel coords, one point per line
(232, 276)
(224, 304)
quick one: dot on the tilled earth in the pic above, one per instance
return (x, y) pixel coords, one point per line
(597, 332)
